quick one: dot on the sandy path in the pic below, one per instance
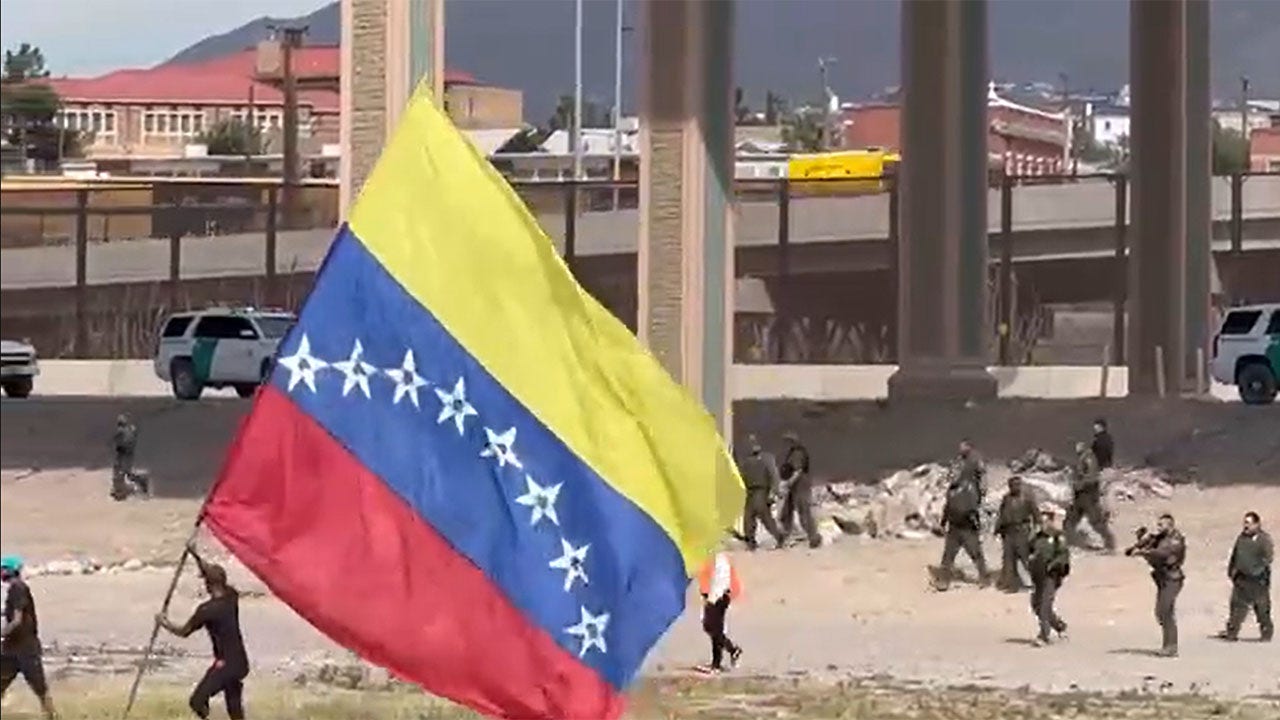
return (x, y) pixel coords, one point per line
(857, 608)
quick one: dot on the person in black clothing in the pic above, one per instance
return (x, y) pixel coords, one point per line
(20, 651)
(1104, 448)
(220, 616)
(798, 496)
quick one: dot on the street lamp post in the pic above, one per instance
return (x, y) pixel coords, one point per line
(576, 138)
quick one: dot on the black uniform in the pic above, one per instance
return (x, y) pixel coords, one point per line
(1086, 500)
(760, 475)
(799, 498)
(220, 616)
(125, 443)
(1104, 449)
(1168, 552)
(1050, 564)
(20, 651)
(963, 522)
(1250, 571)
(1013, 527)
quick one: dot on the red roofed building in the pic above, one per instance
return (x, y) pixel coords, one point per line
(1264, 149)
(157, 112)
(1022, 139)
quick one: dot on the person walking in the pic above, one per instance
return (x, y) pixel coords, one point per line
(1250, 571)
(718, 582)
(1050, 565)
(124, 442)
(220, 616)
(1086, 499)
(760, 475)
(20, 649)
(962, 523)
(1014, 524)
(1103, 446)
(798, 494)
(1165, 552)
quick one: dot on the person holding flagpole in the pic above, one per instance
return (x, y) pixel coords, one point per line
(220, 616)
(718, 582)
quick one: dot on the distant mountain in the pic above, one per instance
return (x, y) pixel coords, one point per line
(528, 44)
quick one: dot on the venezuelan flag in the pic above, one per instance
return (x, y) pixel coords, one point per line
(463, 467)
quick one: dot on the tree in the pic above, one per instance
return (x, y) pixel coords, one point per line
(804, 130)
(232, 137)
(741, 111)
(774, 108)
(528, 140)
(25, 64)
(594, 115)
(1230, 151)
(29, 108)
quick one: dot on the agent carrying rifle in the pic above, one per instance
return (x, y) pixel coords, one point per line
(1165, 551)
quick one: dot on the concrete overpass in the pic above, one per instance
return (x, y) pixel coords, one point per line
(1049, 222)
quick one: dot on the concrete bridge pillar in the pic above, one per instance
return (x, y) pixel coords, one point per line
(685, 259)
(1199, 194)
(388, 46)
(942, 256)
(1164, 55)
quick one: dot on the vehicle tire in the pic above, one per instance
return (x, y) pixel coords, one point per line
(245, 390)
(186, 386)
(1256, 383)
(18, 387)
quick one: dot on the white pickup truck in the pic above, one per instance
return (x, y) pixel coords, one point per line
(18, 368)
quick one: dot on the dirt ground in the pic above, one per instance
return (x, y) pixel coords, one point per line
(855, 621)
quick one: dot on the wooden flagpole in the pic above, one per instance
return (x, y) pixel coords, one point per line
(164, 610)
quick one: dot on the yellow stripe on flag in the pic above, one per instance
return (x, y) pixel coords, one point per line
(447, 226)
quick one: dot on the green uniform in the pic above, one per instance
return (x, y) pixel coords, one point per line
(1250, 571)
(963, 521)
(1049, 565)
(124, 443)
(760, 475)
(1086, 500)
(798, 499)
(1013, 527)
(1166, 556)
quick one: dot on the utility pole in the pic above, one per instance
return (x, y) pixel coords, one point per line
(291, 38)
(617, 102)
(575, 138)
(1070, 162)
(1244, 117)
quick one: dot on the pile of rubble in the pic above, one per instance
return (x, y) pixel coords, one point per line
(908, 504)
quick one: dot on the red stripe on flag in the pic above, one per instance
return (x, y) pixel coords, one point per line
(335, 543)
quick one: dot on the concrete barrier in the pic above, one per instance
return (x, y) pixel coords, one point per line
(826, 383)
(104, 378)
(833, 383)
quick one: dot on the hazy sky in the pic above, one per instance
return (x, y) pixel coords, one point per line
(88, 37)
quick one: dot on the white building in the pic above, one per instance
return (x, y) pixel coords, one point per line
(1108, 124)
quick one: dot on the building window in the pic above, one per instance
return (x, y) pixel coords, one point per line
(102, 123)
(1106, 125)
(171, 125)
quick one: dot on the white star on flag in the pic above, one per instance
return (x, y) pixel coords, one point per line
(454, 405)
(302, 365)
(502, 447)
(542, 500)
(356, 370)
(407, 380)
(573, 563)
(591, 630)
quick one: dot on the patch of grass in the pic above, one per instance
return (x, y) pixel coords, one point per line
(672, 698)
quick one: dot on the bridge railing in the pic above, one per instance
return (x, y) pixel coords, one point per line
(90, 268)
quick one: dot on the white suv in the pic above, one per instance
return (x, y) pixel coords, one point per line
(1246, 352)
(220, 347)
